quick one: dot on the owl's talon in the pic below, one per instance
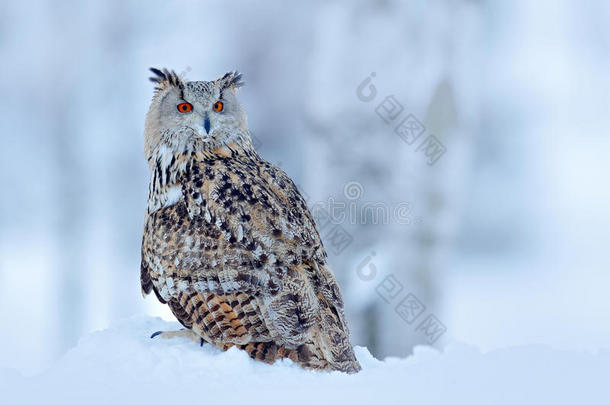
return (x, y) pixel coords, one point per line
(201, 342)
(182, 333)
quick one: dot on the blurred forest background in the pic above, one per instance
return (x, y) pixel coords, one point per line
(502, 240)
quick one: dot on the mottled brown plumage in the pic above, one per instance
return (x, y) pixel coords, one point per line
(229, 243)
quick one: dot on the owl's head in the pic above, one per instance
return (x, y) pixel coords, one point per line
(187, 116)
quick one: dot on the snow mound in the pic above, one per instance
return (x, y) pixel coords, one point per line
(123, 365)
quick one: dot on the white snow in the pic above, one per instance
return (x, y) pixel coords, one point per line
(122, 365)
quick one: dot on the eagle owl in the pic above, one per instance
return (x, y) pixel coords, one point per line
(229, 244)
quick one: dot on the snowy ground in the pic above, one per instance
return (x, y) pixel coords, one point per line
(123, 365)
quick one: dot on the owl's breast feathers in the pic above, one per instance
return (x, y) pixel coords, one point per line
(231, 246)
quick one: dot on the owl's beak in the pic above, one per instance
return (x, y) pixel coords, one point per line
(206, 124)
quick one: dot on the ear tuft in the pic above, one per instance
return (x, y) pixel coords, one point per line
(231, 80)
(166, 78)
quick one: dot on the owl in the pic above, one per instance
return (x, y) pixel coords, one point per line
(229, 243)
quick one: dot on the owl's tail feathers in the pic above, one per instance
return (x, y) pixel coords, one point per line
(270, 351)
(308, 355)
(314, 355)
(334, 346)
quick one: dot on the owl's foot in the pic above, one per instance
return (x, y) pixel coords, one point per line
(183, 333)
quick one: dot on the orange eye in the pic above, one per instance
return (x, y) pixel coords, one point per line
(185, 107)
(218, 106)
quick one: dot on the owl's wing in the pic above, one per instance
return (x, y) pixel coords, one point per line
(241, 242)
